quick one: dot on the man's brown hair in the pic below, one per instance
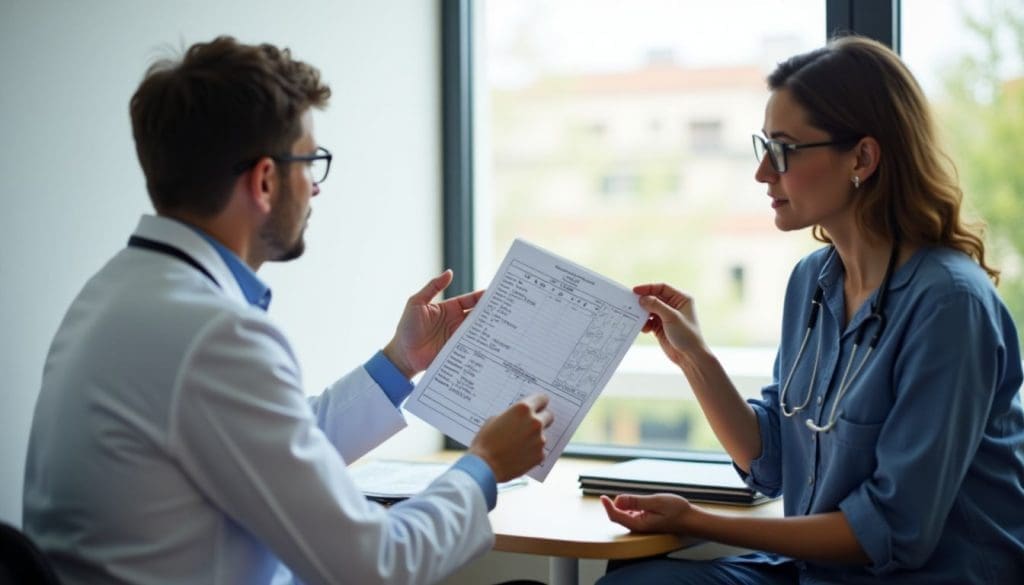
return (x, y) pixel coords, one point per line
(224, 103)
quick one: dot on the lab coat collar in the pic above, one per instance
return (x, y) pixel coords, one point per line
(177, 234)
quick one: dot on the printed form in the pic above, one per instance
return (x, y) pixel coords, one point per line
(545, 324)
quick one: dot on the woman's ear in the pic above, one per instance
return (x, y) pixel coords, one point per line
(868, 154)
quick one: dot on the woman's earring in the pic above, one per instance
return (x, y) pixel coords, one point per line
(856, 182)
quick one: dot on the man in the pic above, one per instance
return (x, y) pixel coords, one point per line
(172, 442)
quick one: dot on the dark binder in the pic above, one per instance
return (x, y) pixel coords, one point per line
(698, 481)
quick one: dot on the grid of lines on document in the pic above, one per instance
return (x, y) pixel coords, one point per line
(579, 336)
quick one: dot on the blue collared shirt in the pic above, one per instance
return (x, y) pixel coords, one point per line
(926, 460)
(255, 291)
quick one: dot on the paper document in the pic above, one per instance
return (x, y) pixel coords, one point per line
(544, 324)
(389, 481)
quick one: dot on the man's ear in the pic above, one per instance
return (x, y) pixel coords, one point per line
(262, 184)
(869, 153)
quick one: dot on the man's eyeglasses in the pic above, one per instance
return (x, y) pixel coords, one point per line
(318, 163)
(776, 150)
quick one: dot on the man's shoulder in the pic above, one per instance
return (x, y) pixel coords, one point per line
(154, 302)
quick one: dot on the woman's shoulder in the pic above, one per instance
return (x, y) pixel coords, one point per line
(942, 271)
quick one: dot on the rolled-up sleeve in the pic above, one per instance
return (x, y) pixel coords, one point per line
(766, 470)
(944, 382)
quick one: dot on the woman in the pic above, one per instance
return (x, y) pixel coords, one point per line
(893, 427)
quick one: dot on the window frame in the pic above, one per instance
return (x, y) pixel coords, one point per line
(879, 19)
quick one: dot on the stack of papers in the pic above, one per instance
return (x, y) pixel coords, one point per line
(698, 481)
(389, 481)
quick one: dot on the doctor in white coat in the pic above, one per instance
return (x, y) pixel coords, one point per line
(172, 441)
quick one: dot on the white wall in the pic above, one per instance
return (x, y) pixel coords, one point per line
(72, 189)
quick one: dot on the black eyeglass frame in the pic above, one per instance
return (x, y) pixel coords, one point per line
(767, 144)
(321, 153)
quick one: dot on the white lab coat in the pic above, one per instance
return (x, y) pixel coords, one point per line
(172, 443)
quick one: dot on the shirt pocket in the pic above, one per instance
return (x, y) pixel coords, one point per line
(856, 434)
(847, 460)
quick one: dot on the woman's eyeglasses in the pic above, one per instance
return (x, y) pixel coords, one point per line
(776, 150)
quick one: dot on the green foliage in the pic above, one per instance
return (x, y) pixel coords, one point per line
(982, 118)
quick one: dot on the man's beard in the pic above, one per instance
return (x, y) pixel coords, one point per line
(280, 225)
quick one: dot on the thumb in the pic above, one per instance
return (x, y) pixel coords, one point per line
(433, 288)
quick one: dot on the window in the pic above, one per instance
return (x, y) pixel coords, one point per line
(969, 58)
(617, 135)
(566, 95)
(706, 136)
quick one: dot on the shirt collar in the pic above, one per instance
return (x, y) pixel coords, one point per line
(832, 270)
(256, 292)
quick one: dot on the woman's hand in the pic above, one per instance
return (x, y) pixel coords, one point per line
(673, 320)
(655, 513)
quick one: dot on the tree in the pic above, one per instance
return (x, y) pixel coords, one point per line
(983, 122)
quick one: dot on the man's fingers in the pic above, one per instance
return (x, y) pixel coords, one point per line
(468, 300)
(433, 288)
(537, 402)
(546, 418)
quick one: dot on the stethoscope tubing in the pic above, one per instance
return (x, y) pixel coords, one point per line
(877, 315)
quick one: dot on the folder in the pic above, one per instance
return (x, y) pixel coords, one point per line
(698, 481)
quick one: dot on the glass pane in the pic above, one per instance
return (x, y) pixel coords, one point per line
(969, 57)
(617, 134)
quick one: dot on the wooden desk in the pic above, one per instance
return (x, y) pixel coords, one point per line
(555, 519)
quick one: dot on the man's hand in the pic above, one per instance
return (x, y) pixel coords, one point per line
(512, 443)
(425, 326)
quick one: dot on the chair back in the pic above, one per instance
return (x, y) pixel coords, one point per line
(21, 561)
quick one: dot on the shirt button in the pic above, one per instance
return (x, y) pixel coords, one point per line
(820, 399)
(810, 480)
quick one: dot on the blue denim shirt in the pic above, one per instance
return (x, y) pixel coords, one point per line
(927, 458)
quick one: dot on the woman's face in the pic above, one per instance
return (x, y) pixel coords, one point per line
(816, 188)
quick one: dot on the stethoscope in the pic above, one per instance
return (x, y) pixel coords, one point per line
(877, 315)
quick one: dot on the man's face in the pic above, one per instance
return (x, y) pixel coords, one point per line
(282, 234)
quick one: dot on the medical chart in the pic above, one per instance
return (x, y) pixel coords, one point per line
(544, 324)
